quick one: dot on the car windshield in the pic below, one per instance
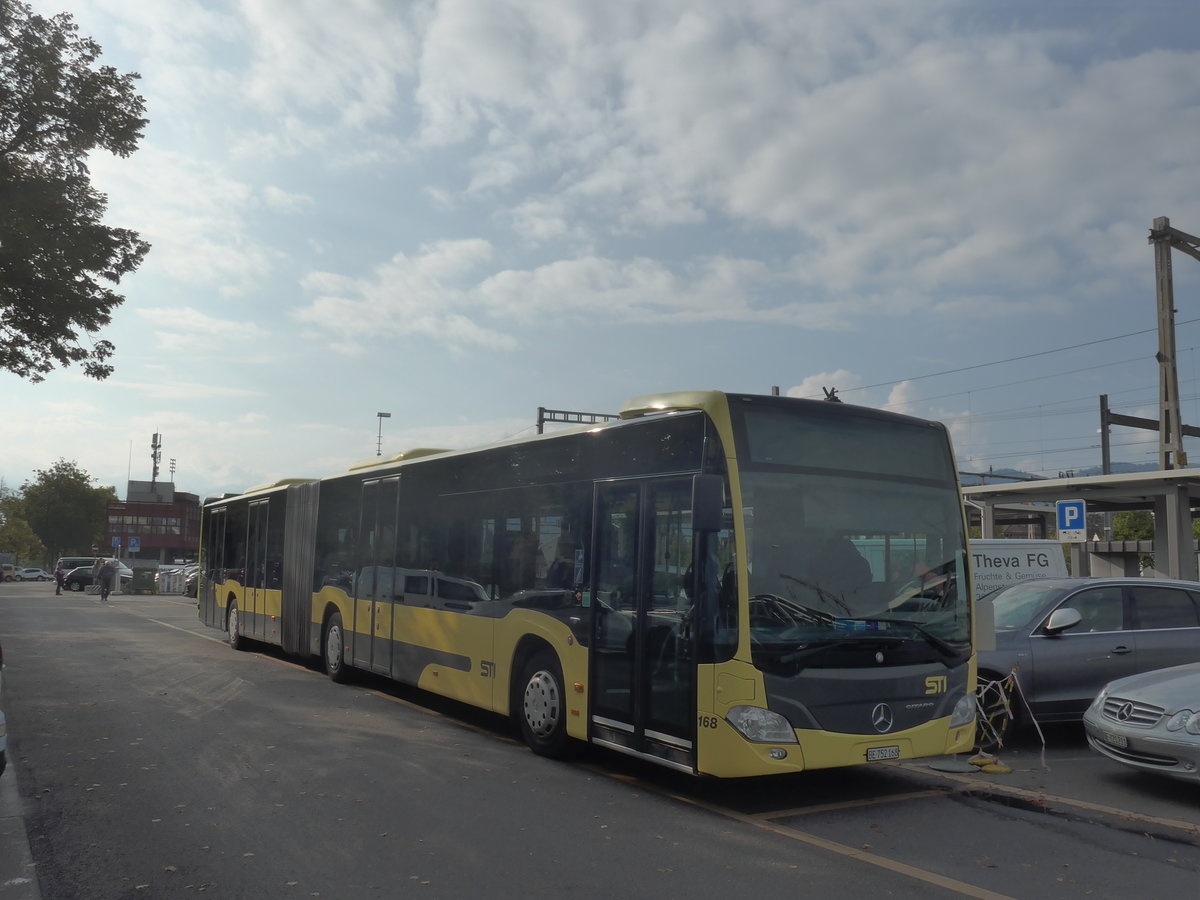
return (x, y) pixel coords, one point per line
(1016, 606)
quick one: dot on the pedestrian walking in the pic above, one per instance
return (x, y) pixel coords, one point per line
(59, 574)
(107, 572)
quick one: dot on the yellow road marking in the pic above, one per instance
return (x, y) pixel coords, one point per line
(761, 821)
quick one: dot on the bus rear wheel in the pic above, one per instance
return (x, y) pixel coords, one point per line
(335, 649)
(542, 707)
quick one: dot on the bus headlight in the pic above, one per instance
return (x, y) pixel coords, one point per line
(964, 711)
(761, 725)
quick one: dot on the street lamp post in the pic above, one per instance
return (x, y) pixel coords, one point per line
(379, 440)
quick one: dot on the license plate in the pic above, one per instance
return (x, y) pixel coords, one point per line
(877, 753)
(1116, 740)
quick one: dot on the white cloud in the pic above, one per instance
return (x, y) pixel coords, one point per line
(187, 330)
(283, 201)
(422, 294)
(350, 61)
(891, 147)
(192, 212)
(815, 387)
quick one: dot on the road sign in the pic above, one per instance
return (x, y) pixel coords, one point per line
(1072, 521)
(135, 543)
(116, 542)
(95, 548)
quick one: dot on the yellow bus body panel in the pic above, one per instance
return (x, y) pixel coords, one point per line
(722, 752)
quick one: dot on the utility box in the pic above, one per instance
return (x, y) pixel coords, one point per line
(143, 581)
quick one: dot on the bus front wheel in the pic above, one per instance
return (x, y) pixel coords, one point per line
(335, 649)
(542, 712)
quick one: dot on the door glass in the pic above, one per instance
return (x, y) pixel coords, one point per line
(1159, 607)
(1100, 610)
(615, 602)
(669, 624)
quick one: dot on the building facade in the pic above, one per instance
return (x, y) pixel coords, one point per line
(154, 524)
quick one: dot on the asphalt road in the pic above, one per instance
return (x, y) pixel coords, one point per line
(151, 760)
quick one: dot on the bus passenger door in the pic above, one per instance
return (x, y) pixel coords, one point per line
(386, 589)
(254, 615)
(213, 563)
(373, 588)
(643, 664)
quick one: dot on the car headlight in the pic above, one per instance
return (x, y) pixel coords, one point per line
(964, 711)
(1100, 698)
(761, 725)
(1179, 720)
(1192, 726)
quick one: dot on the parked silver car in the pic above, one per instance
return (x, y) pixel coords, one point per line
(1068, 637)
(1150, 721)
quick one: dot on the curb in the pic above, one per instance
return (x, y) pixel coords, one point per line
(18, 873)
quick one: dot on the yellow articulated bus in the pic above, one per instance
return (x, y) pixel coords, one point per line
(725, 584)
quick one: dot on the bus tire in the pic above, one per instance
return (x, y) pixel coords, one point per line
(541, 709)
(233, 621)
(333, 646)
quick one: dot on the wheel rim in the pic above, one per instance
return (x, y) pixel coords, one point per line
(333, 647)
(233, 623)
(541, 704)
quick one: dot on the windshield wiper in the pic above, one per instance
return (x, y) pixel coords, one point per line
(797, 611)
(940, 644)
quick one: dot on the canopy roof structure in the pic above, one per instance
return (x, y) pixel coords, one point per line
(1172, 495)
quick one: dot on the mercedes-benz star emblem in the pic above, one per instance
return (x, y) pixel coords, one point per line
(881, 718)
(1124, 712)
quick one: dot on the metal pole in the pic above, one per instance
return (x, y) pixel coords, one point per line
(1105, 449)
(1171, 454)
(379, 440)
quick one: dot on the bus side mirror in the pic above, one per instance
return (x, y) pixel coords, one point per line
(708, 502)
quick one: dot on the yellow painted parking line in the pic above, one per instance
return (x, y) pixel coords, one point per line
(762, 821)
(855, 804)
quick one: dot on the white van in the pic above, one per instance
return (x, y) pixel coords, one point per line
(999, 562)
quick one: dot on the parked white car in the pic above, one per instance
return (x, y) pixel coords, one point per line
(34, 575)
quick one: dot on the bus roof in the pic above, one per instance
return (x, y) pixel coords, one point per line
(416, 452)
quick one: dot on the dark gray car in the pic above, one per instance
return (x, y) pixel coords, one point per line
(1068, 637)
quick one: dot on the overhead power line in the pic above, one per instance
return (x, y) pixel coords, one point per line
(999, 362)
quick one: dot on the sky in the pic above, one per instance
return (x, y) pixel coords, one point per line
(458, 211)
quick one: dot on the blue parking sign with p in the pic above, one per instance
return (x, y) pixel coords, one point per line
(1072, 520)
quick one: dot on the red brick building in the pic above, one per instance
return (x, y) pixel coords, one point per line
(155, 523)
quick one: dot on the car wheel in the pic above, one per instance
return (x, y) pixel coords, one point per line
(236, 639)
(541, 711)
(335, 650)
(75, 585)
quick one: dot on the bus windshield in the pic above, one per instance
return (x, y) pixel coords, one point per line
(843, 549)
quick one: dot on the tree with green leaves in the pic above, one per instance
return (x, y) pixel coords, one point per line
(65, 509)
(16, 535)
(58, 260)
(1133, 525)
